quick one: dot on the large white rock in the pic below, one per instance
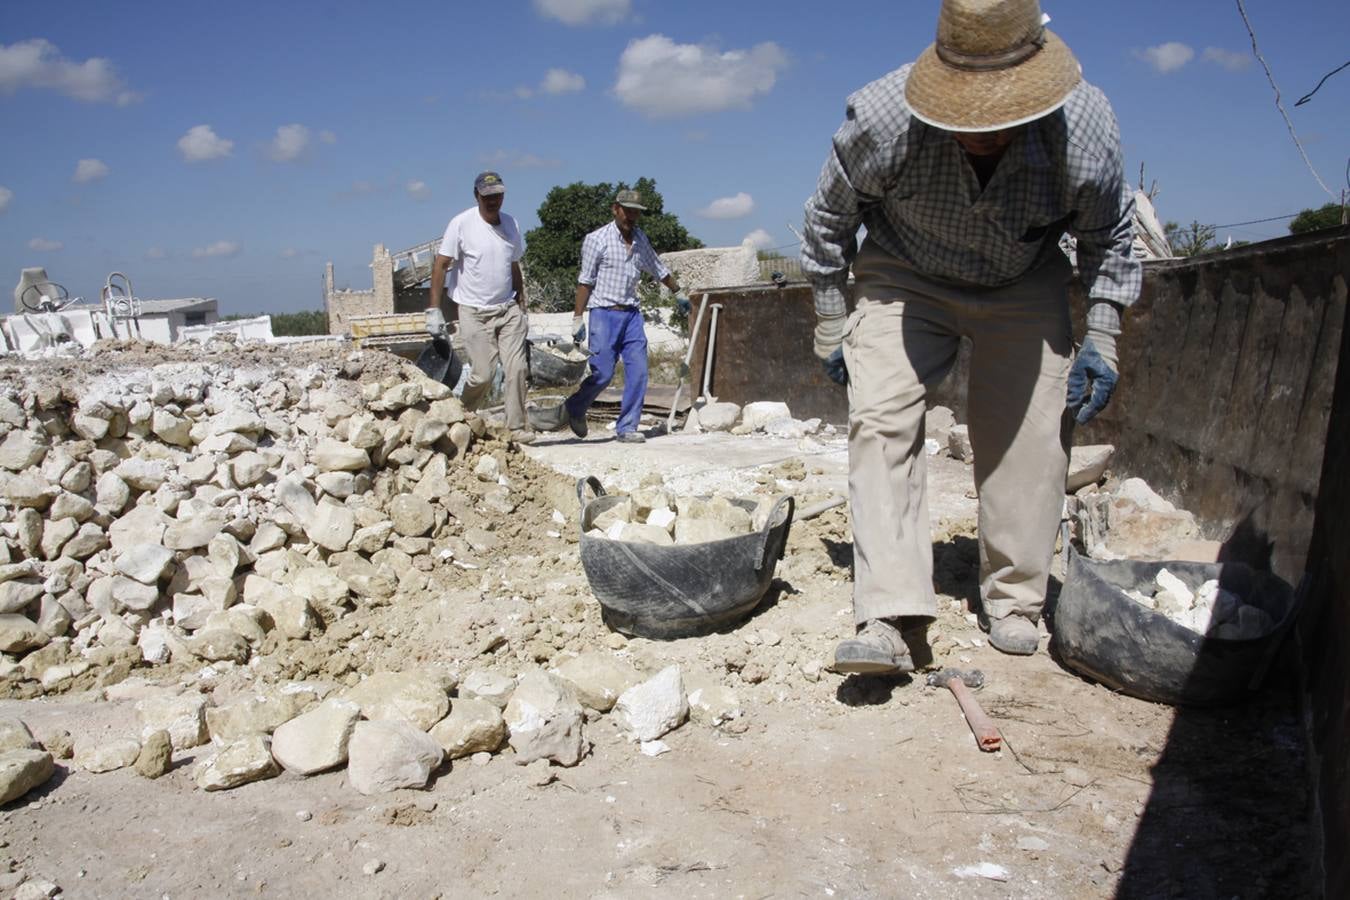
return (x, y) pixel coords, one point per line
(249, 468)
(23, 770)
(482, 684)
(129, 594)
(598, 679)
(337, 456)
(17, 596)
(401, 696)
(183, 716)
(754, 416)
(146, 563)
(655, 707)
(718, 416)
(243, 761)
(387, 756)
(545, 721)
(15, 735)
(143, 474)
(412, 515)
(331, 527)
(19, 635)
(291, 613)
(473, 726)
(196, 532)
(22, 450)
(86, 542)
(317, 740)
(1087, 464)
(111, 492)
(108, 757)
(257, 714)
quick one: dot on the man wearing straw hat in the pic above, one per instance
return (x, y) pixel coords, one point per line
(966, 167)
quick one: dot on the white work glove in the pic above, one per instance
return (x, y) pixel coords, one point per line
(435, 322)
(578, 329)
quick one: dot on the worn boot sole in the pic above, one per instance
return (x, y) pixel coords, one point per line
(854, 658)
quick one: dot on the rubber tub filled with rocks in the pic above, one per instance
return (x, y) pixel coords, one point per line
(1183, 633)
(665, 567)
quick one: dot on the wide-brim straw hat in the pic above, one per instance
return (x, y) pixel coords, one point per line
(994, 65)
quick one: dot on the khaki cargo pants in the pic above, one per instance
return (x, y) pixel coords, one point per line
(489, 334)
(901, 340)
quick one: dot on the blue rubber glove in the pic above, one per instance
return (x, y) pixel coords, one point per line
(682, 304)
(1093, 376)
(835, 368)
(578, 329)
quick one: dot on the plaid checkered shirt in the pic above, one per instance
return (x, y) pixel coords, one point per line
(911, 185)
(613, 268)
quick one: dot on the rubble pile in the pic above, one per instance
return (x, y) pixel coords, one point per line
(199, 510)
(651, 515)
(1208, 609)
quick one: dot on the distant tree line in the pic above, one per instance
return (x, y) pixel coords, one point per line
(310, 321)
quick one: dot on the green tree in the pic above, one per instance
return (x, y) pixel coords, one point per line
(1328, 216)
(568, 214)
(1192, 240)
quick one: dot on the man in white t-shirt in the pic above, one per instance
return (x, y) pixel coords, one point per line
(482, 247)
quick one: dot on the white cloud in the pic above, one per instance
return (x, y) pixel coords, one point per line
(327, 137)
(737, 206)
(418, 190)
(87, 170)
(662, 79)
(1166, 57)
(220, 249)
(585, 12)
(201, 143)
(6, 195)
(291, 253)
(758, 239)
(37, 63)
(42, 245)
(1231, 60)
(514, 159)
(289, 143)
(156, 253)
(561, 81)
(523, 92)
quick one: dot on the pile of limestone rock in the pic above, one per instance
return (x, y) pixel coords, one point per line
(652, 515)
(185, 510)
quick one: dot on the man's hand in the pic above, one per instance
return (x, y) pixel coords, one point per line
(1093, 376)
(578, 329)
(828, 346)
(682, 304)
(435, 322)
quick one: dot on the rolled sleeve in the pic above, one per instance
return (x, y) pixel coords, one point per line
(847, 184)
(590, 260)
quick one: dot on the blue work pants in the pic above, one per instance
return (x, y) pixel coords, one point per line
(615, 333)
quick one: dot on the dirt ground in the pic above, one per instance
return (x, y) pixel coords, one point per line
(827, 786)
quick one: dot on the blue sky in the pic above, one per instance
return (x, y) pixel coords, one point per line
(230, 150)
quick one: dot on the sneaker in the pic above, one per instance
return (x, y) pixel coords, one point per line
(1014, 635)
(877, 649)
(631, 437)
(523, 435)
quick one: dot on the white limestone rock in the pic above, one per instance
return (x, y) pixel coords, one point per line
(718, 416)
(545, 721)
(1087, 465)
(598, 679)
(15, 735)
(99, 758)
(183, 716)
(337, 456)
(317, 740)
(19, 634)
(412, 516)
(473, 726)
(483, 684)
(146, 563)
(23, 770)
(240, 762)
(401, 696)
(22, 450)
(655, 707)
(385, 756)
(755, 416)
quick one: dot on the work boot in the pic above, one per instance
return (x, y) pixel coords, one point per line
(877, 649)
(1015, 635)
(576, 423)
(631, 437)
(523, 435)
(914, 632)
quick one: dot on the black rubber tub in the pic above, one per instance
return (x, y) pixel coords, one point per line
(549, 366)
(685, 590)
(1102, 633)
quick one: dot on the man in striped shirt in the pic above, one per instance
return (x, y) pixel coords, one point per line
(613, 258)
(966, 167)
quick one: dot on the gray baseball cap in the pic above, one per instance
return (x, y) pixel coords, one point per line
(488, 183)
(629, 198)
